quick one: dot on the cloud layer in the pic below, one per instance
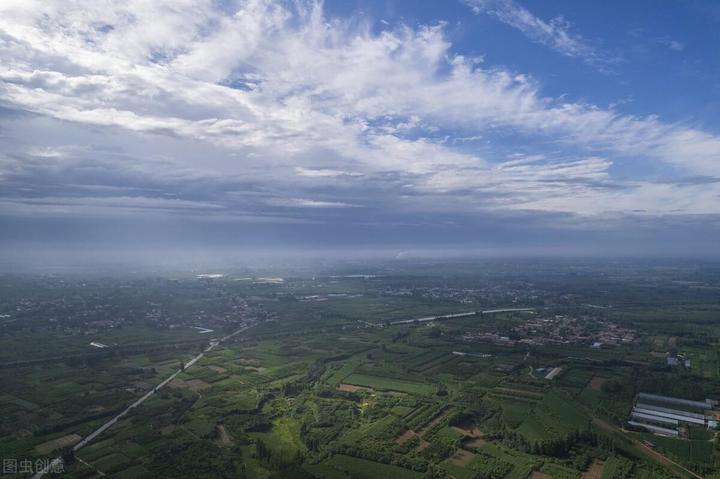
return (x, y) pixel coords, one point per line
(270, 111)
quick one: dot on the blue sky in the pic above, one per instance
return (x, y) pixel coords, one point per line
(564, 127)
(659, 54)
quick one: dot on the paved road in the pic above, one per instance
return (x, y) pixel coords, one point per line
(433, 318)
(58, 460)
(506, 310)
(459, 315)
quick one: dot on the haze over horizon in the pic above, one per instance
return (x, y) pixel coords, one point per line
(485, 127)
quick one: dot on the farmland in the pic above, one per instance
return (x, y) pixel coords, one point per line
(327, 389)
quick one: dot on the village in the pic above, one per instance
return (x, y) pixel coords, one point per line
(540, 330)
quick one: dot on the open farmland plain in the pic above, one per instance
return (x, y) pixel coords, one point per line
(319, 384)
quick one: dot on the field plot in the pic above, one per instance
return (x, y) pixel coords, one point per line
(514, 392)
(389, 384)
(423, 415)
(428, 360)
(595, 470)
(703, 362)
(230, 394)
(556, 471)
(555, 417)
(362, 468)
(575, 378)
(59, 443)
(132, 472)
(617, 466)
(75, 400)
(685, 451)
(325, 471)
(513, 411)
(349, 388)
(113, 462)
(283, 439)
(597, 382)
(338, 374)
(493, 462)
(443, 435)
(469, 431)
(462, 457)
(405, 437)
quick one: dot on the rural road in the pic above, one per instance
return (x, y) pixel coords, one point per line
(58, 460)
(459, 315)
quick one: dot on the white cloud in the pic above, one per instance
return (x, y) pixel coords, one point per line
(554, 34)
(677, 46)
(674, 45)
(637, 198)
(286, 99)
(323, 172)
(308, 203)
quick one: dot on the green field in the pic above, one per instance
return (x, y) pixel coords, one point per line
(365, 469)
(320, 386)
(388, 384)
(555, 417)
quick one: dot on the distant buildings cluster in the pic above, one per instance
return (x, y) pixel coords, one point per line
(538, 331)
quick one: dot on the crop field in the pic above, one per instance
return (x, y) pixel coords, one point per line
(502, 462)
(557, 471)
(513, 411)
(576, 378)
(513, 392)
(283, 439)
(51, 446)
(428, 360)
(704, 363)
(687, 451)
(74, 400)
(337, 375)
(555, 417)
(365, 469)
(320, 386)
(617, 466)
(389, 384)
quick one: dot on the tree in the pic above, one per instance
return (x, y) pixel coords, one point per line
(582, 462)
(68, 456)
(261, 450)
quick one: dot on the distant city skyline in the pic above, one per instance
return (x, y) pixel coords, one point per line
(490, 127)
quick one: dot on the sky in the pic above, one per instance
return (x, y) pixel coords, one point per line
(488, 126)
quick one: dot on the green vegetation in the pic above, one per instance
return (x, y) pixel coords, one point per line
(320, 386)
(368, 469)
(389, 384)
